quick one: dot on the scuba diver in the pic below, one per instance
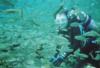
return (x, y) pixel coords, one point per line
(65, 19)
(82, 23)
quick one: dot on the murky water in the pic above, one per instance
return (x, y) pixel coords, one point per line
(28, 37)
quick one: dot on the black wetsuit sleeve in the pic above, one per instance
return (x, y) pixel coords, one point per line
(62, 32)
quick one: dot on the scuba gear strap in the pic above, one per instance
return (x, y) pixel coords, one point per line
(87, 24)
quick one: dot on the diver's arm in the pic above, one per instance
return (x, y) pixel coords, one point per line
(63, 32)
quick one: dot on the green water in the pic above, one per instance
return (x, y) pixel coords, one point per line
(28, 37)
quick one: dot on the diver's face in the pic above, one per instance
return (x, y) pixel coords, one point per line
(61, 20)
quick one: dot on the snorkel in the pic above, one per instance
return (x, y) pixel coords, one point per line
(61, 16)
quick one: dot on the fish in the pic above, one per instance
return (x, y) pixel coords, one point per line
(4, 50)
(11, 11)
(81, 38)
(92, 34)
(19, 12)
(6, 3)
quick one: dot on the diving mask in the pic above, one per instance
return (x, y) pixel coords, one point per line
(61, 20)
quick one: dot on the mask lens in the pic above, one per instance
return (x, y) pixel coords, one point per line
(61, 20)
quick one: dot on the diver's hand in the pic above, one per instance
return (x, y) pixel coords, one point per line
(62, 31)
(58, 30)
(57, 60)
